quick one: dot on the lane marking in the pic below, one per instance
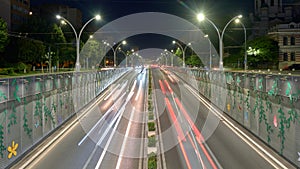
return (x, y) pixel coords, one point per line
(139, 91)
(125, 139)
(112, 133)
(111, 92)
(108, 128)
(102, 118)
(198, 134)
(196, 151)
(255, 146)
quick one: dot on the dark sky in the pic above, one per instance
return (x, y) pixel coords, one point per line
(217, 10)
(113, 9)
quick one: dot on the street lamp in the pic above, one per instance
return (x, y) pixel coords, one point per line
(165, 56)
(115, 50)
(245, 39)
(125, 54)
(183, 51)
(77, 36)
(210, 59)
(201, 17)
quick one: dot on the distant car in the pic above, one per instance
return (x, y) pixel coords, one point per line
(293, 67)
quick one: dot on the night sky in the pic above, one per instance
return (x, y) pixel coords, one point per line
(113, 9)
(219, 11)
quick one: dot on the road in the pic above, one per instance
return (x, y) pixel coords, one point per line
(108, 134)
(182, 121)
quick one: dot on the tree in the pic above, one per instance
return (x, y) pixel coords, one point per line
(194, 60)
(3, 35)
(57, 41)
(266, 52)
(31, 51)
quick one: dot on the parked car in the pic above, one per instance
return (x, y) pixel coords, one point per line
(292, 67)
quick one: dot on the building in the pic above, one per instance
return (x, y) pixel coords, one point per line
(49, 11)
(288, 38)
(14, 12)
(281, 20)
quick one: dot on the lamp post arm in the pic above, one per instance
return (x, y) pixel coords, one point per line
(70, 26)
(85, 26)
(245, 45)
(232, 19)
(219, 35)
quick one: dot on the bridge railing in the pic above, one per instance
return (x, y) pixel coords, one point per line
(31, 107)
(264, 103)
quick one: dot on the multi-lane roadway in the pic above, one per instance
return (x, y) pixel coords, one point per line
(191, 132)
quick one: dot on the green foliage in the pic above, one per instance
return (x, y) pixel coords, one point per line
(234, 60)
(3, 35)
(12, 118)
(14, 83)
(2, 96)
(26, 127)
(38, 107)
(20, 66)
(32, 51)
(268, 51)
(151, 141)
(7, 71)
(152, 161)
(2, 147)
(151, 126)
(194, 60)
(48, 112)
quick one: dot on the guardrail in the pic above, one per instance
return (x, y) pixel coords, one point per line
(266, 104)
(33, 106)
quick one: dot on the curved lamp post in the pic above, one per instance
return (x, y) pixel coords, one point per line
(183, 51)
(77, 36)
(201, 17)
(245, 39)
(210, 59)
(115, 50)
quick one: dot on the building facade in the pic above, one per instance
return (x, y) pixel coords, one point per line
(49, 11)
(288, 38)
(14, 12)
(281, 20)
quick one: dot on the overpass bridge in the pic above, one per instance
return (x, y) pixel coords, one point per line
(167, 117)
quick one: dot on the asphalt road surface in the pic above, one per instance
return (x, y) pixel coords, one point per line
(183, 114)
(109, 135)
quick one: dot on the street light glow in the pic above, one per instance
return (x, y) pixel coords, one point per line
(124, 42)
(237, 20)
(200, 17)
(97, 17)
(77, 36)
(173, 41)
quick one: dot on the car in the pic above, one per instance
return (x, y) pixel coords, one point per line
(293, 67)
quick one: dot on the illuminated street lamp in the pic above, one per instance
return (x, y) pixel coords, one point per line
(77, 36)
(245, 39)
(183, 51)
(201, 17)
(115, 50)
